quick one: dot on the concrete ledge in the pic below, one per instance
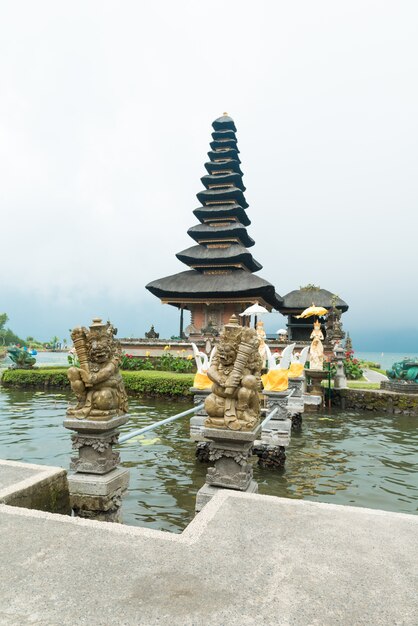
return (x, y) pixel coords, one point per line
(34, 486)
(244, 559)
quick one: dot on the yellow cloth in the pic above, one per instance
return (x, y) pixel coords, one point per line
(202, 381)
(295, 370)
(276, 380)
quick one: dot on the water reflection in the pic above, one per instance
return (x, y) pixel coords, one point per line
(343, 458)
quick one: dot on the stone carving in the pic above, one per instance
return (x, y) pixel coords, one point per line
(97, 383)
(218, 453)
(99, 444)
(340, 380)
(22, 359)
(235, 373)
(407, 370)
(261, 334)
(334, 326)
(151, 334)
(94, 452)
(316, 352)
(202, 452)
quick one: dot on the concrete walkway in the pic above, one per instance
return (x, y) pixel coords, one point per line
(373, 377)
(245, 559)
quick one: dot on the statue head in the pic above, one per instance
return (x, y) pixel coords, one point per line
(229, 341)
(317, 324)
(100, 341)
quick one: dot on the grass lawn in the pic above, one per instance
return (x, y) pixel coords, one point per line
(356, 384)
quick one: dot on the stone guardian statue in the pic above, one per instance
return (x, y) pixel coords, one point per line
(235, 373)
(97, 383)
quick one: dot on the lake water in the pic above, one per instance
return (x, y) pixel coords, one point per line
(385, 359)
(357, 459)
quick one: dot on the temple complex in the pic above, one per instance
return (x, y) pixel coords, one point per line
(221, 280)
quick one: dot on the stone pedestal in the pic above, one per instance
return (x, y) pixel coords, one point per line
(297, 385)
(296, 404)
(312, 403)
(275, 435)
(230, 450)
(97, 486)
(197, 425)
(279, 400)
(98, 497)
(316, 377)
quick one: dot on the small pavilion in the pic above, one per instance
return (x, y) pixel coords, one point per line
(221, 280)
(296, 301)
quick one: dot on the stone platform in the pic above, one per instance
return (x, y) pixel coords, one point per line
(34, 486)
(245, 559)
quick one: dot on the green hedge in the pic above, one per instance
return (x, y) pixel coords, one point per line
(38, 378)
(148, 383)
(152, 383)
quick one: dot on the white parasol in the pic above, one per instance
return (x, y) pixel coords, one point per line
(254, 309)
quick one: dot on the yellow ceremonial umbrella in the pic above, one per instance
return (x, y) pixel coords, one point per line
(313, 310)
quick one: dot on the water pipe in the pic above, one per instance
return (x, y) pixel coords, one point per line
(145, 429)
(269, 417)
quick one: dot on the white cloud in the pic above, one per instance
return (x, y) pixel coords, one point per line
(105, 113)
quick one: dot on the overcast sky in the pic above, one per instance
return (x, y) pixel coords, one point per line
(105, 121)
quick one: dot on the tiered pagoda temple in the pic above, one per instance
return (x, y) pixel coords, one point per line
(221, 279)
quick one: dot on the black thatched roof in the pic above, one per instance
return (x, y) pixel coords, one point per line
(194, 284)
(220, 195)
(224, 123)
(223, 134)
(301, 299)
(224, 155)
(201, 255)
(216, 211)
(235, 230)
(233, 165)
(223, 179)
(222, 144)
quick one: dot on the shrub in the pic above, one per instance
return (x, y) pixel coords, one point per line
(158, 383)
(167, 362)
(39, 378)
(146, 383)
(352, 366)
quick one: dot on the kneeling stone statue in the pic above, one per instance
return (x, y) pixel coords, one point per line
(235, 373)
(97, 383)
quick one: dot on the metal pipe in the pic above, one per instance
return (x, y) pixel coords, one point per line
(274, 411)
(145, 429)
(269, 417)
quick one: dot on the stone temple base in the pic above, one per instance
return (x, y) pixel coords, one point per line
(207, 492)
(98, 497)
(230, 451)
(97, 487)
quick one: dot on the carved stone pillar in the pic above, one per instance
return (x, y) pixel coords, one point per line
(275, 434)
(296, 404)
(231, 453)
(297, 384)
(197, 425)
(98, 484)
(340, 379)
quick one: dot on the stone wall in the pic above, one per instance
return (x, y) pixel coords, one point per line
(375, 400)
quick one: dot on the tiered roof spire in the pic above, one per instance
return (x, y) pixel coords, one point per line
(222, 267)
